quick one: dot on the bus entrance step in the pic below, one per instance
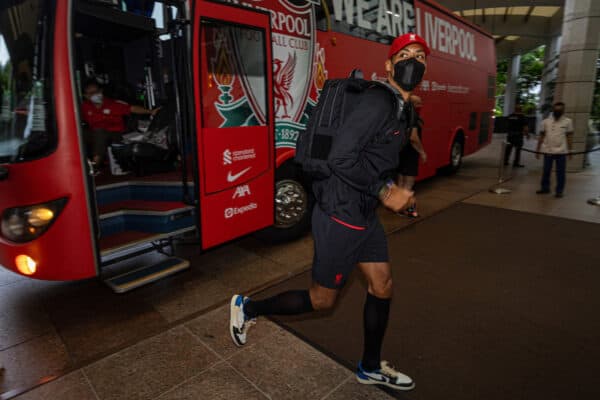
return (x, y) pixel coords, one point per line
(147, 274)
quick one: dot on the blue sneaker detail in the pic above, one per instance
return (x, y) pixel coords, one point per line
(239, 324)
(387, 375)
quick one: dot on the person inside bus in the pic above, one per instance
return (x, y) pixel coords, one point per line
(409, 155)
(517, 128)
(105, 120)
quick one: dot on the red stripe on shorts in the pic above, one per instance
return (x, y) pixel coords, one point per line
(339, 221)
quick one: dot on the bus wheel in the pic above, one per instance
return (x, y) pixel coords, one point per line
(456, 155)
(293, 206)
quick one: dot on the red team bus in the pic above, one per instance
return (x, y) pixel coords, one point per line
(236, 81)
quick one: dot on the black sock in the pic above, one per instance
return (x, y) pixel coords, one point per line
(375, 322)
(287, 303)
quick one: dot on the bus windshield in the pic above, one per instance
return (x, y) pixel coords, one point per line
(26, 126)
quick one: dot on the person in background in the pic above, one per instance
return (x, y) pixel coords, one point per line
(555, 141)
(517, 129)
(409, 155)
(104, 119)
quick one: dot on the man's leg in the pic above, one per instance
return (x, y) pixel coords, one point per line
(333, 261)
(372, 370)
(517, 160)
(561, 167)
(292, 302)
(244, 311)
(376, 311)
(507, 152)
(546, 174)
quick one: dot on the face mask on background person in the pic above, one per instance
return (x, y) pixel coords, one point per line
(96, 98)
(557, 114)
(408, 73)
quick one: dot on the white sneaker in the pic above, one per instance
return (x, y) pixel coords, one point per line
(387, 375)
(238, 323)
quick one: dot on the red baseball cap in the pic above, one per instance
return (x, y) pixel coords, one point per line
(404, 40)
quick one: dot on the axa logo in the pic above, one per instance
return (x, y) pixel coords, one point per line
(412, 36)
(227, 157)
(241, 191)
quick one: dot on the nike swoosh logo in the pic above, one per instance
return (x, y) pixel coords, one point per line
(233, 178)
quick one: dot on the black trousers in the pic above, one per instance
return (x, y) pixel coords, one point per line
(515, 141)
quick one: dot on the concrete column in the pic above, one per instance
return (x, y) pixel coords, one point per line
(510, 93)
(577, 68)
(550, 72)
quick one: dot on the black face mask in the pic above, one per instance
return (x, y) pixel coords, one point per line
(408, 73)
(557, 114)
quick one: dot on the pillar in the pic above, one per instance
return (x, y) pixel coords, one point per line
(510, 92)
(577, 68)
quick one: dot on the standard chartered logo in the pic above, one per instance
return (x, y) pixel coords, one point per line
(227, 158)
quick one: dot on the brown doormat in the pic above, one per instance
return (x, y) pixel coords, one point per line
(488, 304)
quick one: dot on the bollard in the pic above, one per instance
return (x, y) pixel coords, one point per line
(497, 189)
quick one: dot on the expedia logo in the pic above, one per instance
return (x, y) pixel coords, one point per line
(233, 211)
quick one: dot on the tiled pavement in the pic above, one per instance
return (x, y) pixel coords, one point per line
(169, 340)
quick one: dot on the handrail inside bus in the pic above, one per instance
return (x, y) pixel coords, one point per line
(327, 17)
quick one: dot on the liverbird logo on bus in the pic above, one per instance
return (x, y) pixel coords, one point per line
(283, 83)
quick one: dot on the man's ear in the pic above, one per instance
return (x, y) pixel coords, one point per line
(388, 66)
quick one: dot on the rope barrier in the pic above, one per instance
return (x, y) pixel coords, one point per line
(574, 153)
(497, 189)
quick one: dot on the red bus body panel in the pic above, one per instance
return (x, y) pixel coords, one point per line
(66, 250)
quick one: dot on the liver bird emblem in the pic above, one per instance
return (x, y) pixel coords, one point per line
(284, 75)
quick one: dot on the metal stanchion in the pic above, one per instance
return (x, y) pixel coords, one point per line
(497, 189)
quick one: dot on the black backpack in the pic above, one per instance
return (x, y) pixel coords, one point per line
(337, 98)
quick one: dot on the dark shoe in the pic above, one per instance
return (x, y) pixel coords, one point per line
(518, 166)
(542, 191)
(558, 195)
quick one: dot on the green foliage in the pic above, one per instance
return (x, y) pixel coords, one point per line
(530, 76)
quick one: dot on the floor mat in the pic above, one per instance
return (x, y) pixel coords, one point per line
(489, 304)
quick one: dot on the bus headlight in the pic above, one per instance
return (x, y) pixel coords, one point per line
(23, 224)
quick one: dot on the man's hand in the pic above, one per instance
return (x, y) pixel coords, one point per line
(154, 111)
(397, 198)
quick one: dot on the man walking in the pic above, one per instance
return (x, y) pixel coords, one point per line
(517, 128)
(346, 230)
(555, 141)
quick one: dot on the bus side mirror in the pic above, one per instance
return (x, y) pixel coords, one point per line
(3, 173)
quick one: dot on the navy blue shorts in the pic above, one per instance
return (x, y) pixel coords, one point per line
(339, 247)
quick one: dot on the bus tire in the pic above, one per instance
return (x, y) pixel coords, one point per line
(293, 206)
(456, 155)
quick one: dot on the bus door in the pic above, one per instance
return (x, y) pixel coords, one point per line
(233, 94)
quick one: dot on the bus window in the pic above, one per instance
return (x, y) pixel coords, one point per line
(235, 88)
(362, 19)
(26, 128)
(473, 121)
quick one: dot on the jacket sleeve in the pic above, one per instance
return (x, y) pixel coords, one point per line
(346, 159)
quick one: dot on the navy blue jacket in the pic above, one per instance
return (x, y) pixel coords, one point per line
(364, 156)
